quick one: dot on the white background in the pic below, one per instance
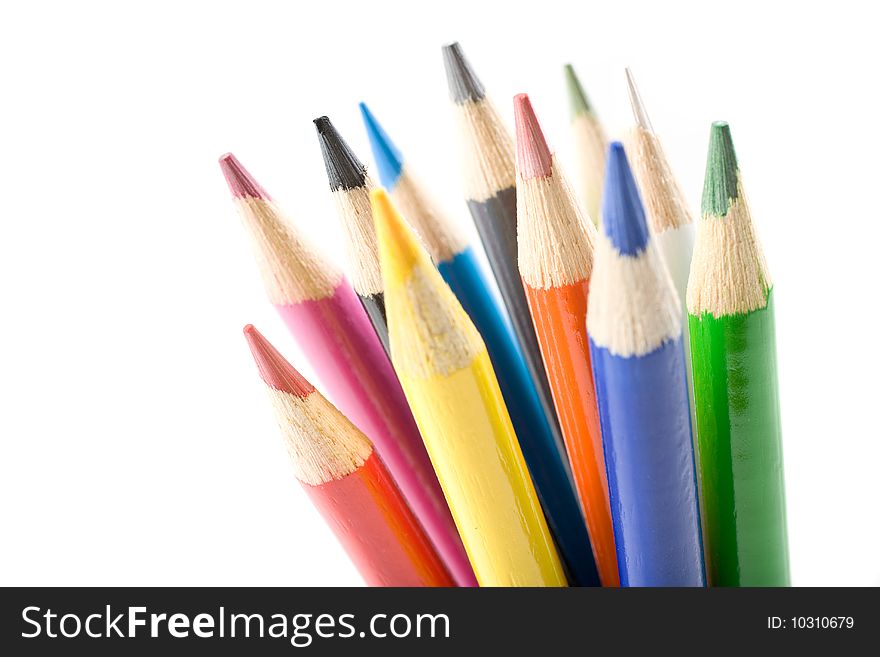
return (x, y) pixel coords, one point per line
(137, 444)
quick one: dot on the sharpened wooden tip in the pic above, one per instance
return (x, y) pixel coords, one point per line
(241, 182)
(533, 157)
(399, 250)
(274, 369)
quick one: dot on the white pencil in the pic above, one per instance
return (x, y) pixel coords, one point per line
(670, 221)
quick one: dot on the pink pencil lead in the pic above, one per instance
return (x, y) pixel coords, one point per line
(274, 369)
(241, 182)
(533, 157)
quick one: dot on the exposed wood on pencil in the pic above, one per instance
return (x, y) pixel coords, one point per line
(666, 208)
(328, 322)
(590, 143)
(556, 245)
(346, 480)
(292, 267)
(634, 323)
(457, 264)
(733, 345)
(441, 235)
(350, 185)
(489, 180)
(445, 370)
(665, 203)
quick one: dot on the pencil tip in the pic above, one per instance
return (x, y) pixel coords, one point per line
(722, 172)
(389, 161)
(533, 157)
(578, 102)
(623, 216)
(344, 169)
(241, 182)
(464, 85)
(398, 249)
(273, 367)
(635, 99)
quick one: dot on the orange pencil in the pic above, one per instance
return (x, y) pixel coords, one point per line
(555, 243)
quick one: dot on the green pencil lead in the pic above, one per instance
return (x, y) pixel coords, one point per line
(722, 172)
(577, 98)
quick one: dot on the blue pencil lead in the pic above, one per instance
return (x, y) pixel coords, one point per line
(623, 216)
(389, 160)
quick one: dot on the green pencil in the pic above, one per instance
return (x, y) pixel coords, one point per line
(733, 346)
(590, 145)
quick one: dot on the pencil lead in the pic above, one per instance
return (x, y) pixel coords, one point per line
(241, 182)
(577, 98)
(464, 85)
(635, 99)
(399, 251)
(533, 157)
(623, 217)
(389, 161)
(344, 169)
(274, 369)
(722, 172)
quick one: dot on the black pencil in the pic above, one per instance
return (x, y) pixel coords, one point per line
(351, 187)
(489, 172)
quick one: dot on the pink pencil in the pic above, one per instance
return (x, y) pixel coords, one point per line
(328, 322)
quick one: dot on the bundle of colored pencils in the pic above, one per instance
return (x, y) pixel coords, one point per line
(610, 419)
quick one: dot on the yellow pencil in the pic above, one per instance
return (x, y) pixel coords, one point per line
(449, 382)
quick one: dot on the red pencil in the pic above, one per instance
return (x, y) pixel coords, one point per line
(332, 328)
(346, 480)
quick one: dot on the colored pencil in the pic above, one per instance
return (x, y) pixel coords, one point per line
(489, 179)
(346, 480)
(589, 142)
(556, 245)
(445, 370)
(544, 454)
(635, 332)
(668, 216)
(733, 344)
(327, 320)
(350, 186)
